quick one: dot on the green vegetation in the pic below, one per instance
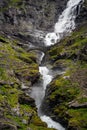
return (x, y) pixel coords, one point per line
(17, 66)
(67, 94)
(78, 118)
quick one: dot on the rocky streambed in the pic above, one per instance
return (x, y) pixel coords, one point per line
(38, 94)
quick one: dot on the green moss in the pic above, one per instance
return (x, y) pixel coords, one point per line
(16, 66)
(39, 128)
(2, 98)
(4, 39)
(79, 118)
(14, 1)
(13, 97)
(71, 48)
(37, 121)
(69, 89)
(65, 89)
(17, 60)
(63, 92)
(82, 100)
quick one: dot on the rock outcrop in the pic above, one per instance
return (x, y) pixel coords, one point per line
(28, 14)
(18, 69)
(30, 20)
(24, 99)
(7, 126)
(66, 96)
(81, 13)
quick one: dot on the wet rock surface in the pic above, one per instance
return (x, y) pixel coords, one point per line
(82, 13)
(24, 99)
(18, 68)
(37, 14)
(66, 96)
(7, 126)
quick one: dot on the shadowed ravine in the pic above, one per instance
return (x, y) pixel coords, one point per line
(65, 24)
(38, 93)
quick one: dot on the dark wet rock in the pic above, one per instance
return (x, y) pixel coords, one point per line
(7, 126)
(81, 13)
(70, 42)
(77, 105)
(37, 14)
(72, 128)
(1, 113)
(29, 129)
(34, 17)
(25, 99)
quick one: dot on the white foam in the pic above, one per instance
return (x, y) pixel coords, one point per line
(65, 24)
(45, 75)
(51, 123)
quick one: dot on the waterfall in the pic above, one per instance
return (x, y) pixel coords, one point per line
(65, 24)
(51, 123)
(45, 75)
(38, 93)
(47, 78)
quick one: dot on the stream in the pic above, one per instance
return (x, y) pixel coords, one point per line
(65, 25)
(47, 78)
(38, 93)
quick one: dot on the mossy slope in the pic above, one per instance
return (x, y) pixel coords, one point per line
(17, 67)
(66, 96)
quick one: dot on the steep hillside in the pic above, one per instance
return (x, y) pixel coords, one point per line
(66, 96)
(18, 71)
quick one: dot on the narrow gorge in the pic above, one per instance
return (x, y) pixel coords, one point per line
(43, 65)
(64, 26)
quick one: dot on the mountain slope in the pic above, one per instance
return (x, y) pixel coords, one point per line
(66, 96)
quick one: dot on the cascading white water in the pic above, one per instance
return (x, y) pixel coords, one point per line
(38, 93)
(65, 24)
(45, 75)
(47, 78)
(51, 123)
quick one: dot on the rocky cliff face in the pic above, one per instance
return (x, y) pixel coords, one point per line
(31, 20)
(66, 96)
(28, 14)
(82, 13)
(28, 19)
